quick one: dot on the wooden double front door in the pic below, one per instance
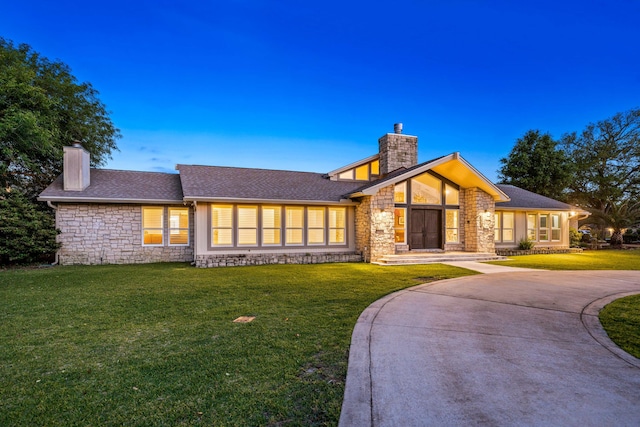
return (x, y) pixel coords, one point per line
(425, 229)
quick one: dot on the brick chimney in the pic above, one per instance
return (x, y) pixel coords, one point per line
(397, 150)
(75, 169)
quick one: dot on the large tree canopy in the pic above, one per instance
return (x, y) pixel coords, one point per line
(607, 158)
(42, 109)
(537, 164)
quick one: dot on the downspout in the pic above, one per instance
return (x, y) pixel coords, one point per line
(55, 208)
(195, 234)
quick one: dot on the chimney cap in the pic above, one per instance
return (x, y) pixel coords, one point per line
(397, 128)
(76, 143)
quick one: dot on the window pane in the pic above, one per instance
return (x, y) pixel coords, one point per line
(221, 216)
(271, 216)
(507, 235)
(336, 235)
(531, 227)
(544, 221)
(362, 173)
(294, 217)
(451, 195)
(337, 217)
(315, 217)
(152, 237)
(222, 236)
(507, 219)
(426, 190)
(451, 221)
(247, 217)
(178, 217)
(179, 237)
(316, 236)
(247, 236)
(400, 193)
(496, 229)
(152, 217)
(399, 217)
(294, 236)
(555, 234)
(375, 167)
(555, 221)
(452, 235)
(271, 236)
(346, 175)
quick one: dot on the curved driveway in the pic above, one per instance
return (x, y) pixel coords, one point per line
(517, 348)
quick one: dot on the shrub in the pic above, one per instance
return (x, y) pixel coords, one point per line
(525, 244)
(575, 237)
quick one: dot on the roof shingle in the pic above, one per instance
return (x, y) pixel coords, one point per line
(521, 198)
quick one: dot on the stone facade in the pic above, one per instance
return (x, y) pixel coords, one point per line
(396, 151)
(110, 234)
(225, 260)
(375, 235)
(478, 220)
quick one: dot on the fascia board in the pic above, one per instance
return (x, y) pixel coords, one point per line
(61, 199)
(342, 202)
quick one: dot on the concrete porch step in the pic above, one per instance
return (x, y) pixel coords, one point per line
(434, 258)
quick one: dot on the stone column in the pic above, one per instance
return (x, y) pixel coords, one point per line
(375, 234)
(479, 221)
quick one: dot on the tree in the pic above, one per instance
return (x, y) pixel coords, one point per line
(607, 158)
(535, 163)
(42, 109)
(617, 216)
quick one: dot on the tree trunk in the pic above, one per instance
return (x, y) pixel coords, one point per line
(616, 239)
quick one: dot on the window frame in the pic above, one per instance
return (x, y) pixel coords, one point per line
(309, 228)
(400, 223)
(343, 228)
(263, 228)
(161, 228)
(231, 227)
(170, 228)
(287, 227)
(558, 228)
(456, 228)
(240, 229)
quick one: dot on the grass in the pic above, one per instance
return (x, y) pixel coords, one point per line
(587, 260)
(621, 320)
(156, 345)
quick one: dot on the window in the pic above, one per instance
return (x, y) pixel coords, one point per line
(426, 190)
(507, 227)
(451, 195)
(362, 173)
(555, 227)
(496, 227)
(543, 230)
(152, 226)
(294, 219)
(532, 229)
(221, 225)
(271, 224)
(178, 226)
(347, 175)
(400, 193)
(337, 225)
(375, 167)
(315, 226)
(452, 222)
(247, 225)
(399, 224)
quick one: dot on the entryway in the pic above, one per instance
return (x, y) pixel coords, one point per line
(425, 229)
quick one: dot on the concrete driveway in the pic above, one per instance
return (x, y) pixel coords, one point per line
(515, 348)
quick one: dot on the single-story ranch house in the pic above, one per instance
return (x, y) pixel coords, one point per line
(216, 216)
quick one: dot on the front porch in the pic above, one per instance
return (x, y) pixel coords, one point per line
(433, 257)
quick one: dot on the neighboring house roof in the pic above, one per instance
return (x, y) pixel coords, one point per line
(353, 165)
(527, 200)
(231, 183)
(452, 166)
(119, 186)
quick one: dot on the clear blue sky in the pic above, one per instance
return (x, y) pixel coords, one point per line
(312, 85)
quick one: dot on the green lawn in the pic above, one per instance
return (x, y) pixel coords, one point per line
(621, 320)
(587, 260)
(156, 345)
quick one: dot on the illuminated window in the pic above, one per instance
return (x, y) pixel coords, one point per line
(294, 220)
(315, 226)
(532, 228)
(426, 190)
(507, 227)
(543, 230)
(247, 225)
(555, 227)
(399, 224)
(451, 195)
(178, 226)
(400, 193)
(496, 227)
(152, 226)
(452, 222)
(337, 225)
(221, 225)
(348, 175)
(271, 224)
(375, 167)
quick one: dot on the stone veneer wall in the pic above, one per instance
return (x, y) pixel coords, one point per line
(222, 260)
(110, 234)
(396, 151)
(479, 221)
(375, 235)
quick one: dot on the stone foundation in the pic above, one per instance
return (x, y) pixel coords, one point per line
(537, 251)
(110, 234)
(222, 260)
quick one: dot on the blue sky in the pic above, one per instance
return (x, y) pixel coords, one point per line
(312, 85)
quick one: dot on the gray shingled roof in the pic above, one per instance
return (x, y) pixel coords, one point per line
(521, 198)
(217, 182)
(120, 185)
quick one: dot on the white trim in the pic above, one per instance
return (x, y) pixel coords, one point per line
(342, 202)
(60, 199)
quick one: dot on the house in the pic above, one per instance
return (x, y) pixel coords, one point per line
(217, 216)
